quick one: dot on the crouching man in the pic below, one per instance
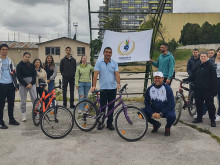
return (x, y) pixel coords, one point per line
(159, 103)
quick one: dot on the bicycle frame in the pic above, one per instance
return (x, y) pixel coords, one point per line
(186, 102)
(43, 98)
(112, 110)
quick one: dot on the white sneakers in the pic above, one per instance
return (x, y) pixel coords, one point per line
(23, 117)
(217, 118)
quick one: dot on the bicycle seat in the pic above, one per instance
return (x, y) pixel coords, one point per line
(43, 84)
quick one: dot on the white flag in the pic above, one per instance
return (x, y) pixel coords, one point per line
(128, 47)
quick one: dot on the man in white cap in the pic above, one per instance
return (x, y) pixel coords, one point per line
(159, 103)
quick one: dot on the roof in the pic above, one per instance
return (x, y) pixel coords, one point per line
(26, 45)
(62, 38)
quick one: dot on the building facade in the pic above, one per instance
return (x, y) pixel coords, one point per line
(131, 21)
(55, 47)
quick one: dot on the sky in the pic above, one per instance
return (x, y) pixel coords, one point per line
(20, 19)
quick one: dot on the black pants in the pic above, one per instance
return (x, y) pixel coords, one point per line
(7, 91)
(200, 98)
(71, 82)
(165, 79)
(106, 96)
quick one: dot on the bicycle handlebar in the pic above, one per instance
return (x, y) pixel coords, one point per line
(123, 88)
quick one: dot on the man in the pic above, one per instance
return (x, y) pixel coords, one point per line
(109, 80)
(159, 103)
(165, 63)
(193, 61)
(67, 70)
(8, 85)
(204, 79)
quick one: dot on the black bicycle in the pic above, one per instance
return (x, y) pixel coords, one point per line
(182, 102)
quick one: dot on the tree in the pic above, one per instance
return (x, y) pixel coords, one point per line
(96, 46)
(189, 34)
(172, 45)
(113, 22)
(216, 33)
(205, 33)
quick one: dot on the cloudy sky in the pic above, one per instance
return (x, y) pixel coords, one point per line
(49, 17)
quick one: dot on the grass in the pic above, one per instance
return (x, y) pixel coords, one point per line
(217, 138)
(181, 58)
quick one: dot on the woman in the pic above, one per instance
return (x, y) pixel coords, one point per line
(41, 76)
(26, 75)
(217, 67)
(204, 79)
(51, 70)
(83, 80)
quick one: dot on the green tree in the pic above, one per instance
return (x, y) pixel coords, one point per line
(96, 46)
(189, 34)
(216, 33)
(205, 33)
(113, 22)
(173, 45)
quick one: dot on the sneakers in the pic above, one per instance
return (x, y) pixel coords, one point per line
(197, 120)
(213, 124)
(217, 118)
(23, 117)
(156, 127)
(13, 122)
(2, 125)
(72, 106)
(79, 111)
(111, 127)
(195, 116)
(167, 132)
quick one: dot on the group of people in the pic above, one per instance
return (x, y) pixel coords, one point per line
(203, 69)
(31, 75)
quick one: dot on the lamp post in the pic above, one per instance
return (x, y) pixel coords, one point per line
(75, 24)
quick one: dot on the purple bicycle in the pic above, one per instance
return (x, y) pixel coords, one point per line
(130, 122)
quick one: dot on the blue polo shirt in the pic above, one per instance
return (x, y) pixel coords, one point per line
(107, 79)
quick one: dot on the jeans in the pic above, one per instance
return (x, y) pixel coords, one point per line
(50, 88)
(7, 91)
(83, 91)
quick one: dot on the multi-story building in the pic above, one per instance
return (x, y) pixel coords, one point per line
(130, 21)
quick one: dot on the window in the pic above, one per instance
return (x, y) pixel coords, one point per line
(52, 50)
(80, 51)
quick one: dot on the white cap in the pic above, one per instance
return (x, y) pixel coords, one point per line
(160, 74)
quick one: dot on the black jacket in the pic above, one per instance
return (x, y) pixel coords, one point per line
(26, 70)
(68, 67)
(192, 63)
(204, 78)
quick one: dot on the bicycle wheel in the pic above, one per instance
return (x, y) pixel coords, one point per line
(85, 114)
(37, 111)
(131, 126)
(57, 122)
(192, 104)
(178, 108)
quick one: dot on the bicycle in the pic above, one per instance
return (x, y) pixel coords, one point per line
(131, 123)
(189, 103)
(56, 121)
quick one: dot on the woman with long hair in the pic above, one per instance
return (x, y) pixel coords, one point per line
(51, 70)
(83, 79)
(26, 75)
(41, 76)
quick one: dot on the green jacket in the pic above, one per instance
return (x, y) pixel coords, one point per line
(83, 73)
(165, 64)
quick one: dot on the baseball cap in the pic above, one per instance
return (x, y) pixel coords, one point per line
(160, 74)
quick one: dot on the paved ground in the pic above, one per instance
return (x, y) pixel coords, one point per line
(27, 145)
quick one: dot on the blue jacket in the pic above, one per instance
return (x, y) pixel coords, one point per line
(159, 100)
(165, 64)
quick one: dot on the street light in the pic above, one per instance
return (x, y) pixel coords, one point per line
(75, 24)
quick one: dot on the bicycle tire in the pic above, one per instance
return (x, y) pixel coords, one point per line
(64, 117)
(137, 129)
(87, 119)
(178, 108)
(37, 112)
(192, 104)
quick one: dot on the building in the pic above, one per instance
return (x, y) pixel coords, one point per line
(55, 47)
(131, 21)
(172, 23)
